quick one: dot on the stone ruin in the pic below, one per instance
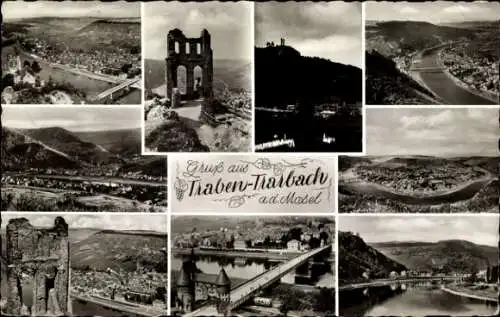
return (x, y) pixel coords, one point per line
(190, 53)
(37, 269)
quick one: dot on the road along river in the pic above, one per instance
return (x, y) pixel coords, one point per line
(94, 179)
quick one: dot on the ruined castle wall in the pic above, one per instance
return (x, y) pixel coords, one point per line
(178, 56)
(36, 257)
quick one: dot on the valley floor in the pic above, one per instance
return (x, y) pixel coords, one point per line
(20, 198)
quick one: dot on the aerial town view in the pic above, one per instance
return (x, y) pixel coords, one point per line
(424, 160)
(435, 52)
(71, 52)
(252, 266)
(84, 265)
(308, 85)
(418, 266)
(78, 159)
(198, 77)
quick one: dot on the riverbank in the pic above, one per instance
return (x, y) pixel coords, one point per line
(85, 82)
(15, 197)
(280, 256)
(354, 179)
(483, 94)
(117, 305)
(435, 99)
(487, 295)
(384, 282)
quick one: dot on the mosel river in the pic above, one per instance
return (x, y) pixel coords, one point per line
(308, 136)
(422, 299)
(321, 275)
(444, 87)
(463, 193)
(89, 86)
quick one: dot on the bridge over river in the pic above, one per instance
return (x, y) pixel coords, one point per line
(113, 90)
(428, 69)
(247, 290)
(384, 282)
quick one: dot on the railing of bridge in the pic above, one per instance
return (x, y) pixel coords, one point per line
(281, 272)
(114, 89)
(233, 304)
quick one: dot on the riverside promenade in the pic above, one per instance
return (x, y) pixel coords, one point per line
(450, 290)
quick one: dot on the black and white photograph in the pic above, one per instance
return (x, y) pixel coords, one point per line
(198, 76)
(308, 77)
(418, 265)
(424, 160)
(71, 52)
(252, 266)
(84, 265)
(78, 159)
(432, 53)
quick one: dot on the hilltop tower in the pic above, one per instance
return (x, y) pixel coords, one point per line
(37, 268)
(223, 290)
(185, 292)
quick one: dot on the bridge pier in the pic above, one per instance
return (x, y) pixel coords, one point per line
(303, 274)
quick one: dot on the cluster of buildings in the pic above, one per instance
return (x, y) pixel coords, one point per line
(419, 179)
(22, 73)
(97, 172)
(404, 62)
(258, 238)
(95, 61)
(146, 194)
(135, 286)
(239, 101)
(472, 68)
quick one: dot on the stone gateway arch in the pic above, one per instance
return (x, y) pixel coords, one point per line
(190, 53)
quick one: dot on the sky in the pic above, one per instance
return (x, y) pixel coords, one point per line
(152, 222)
(434, 132)
(69, 9)
(72, 118)
(228, 23)
(327, 30)
(477, 229)
(434, 12)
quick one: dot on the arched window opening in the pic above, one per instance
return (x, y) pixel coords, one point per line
(188, 48)
(198, 80)
(198, 48)
(181, 79)
(177, 47)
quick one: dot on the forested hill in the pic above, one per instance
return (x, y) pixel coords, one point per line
(357, 257)
(443, 256)
(283, 76)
